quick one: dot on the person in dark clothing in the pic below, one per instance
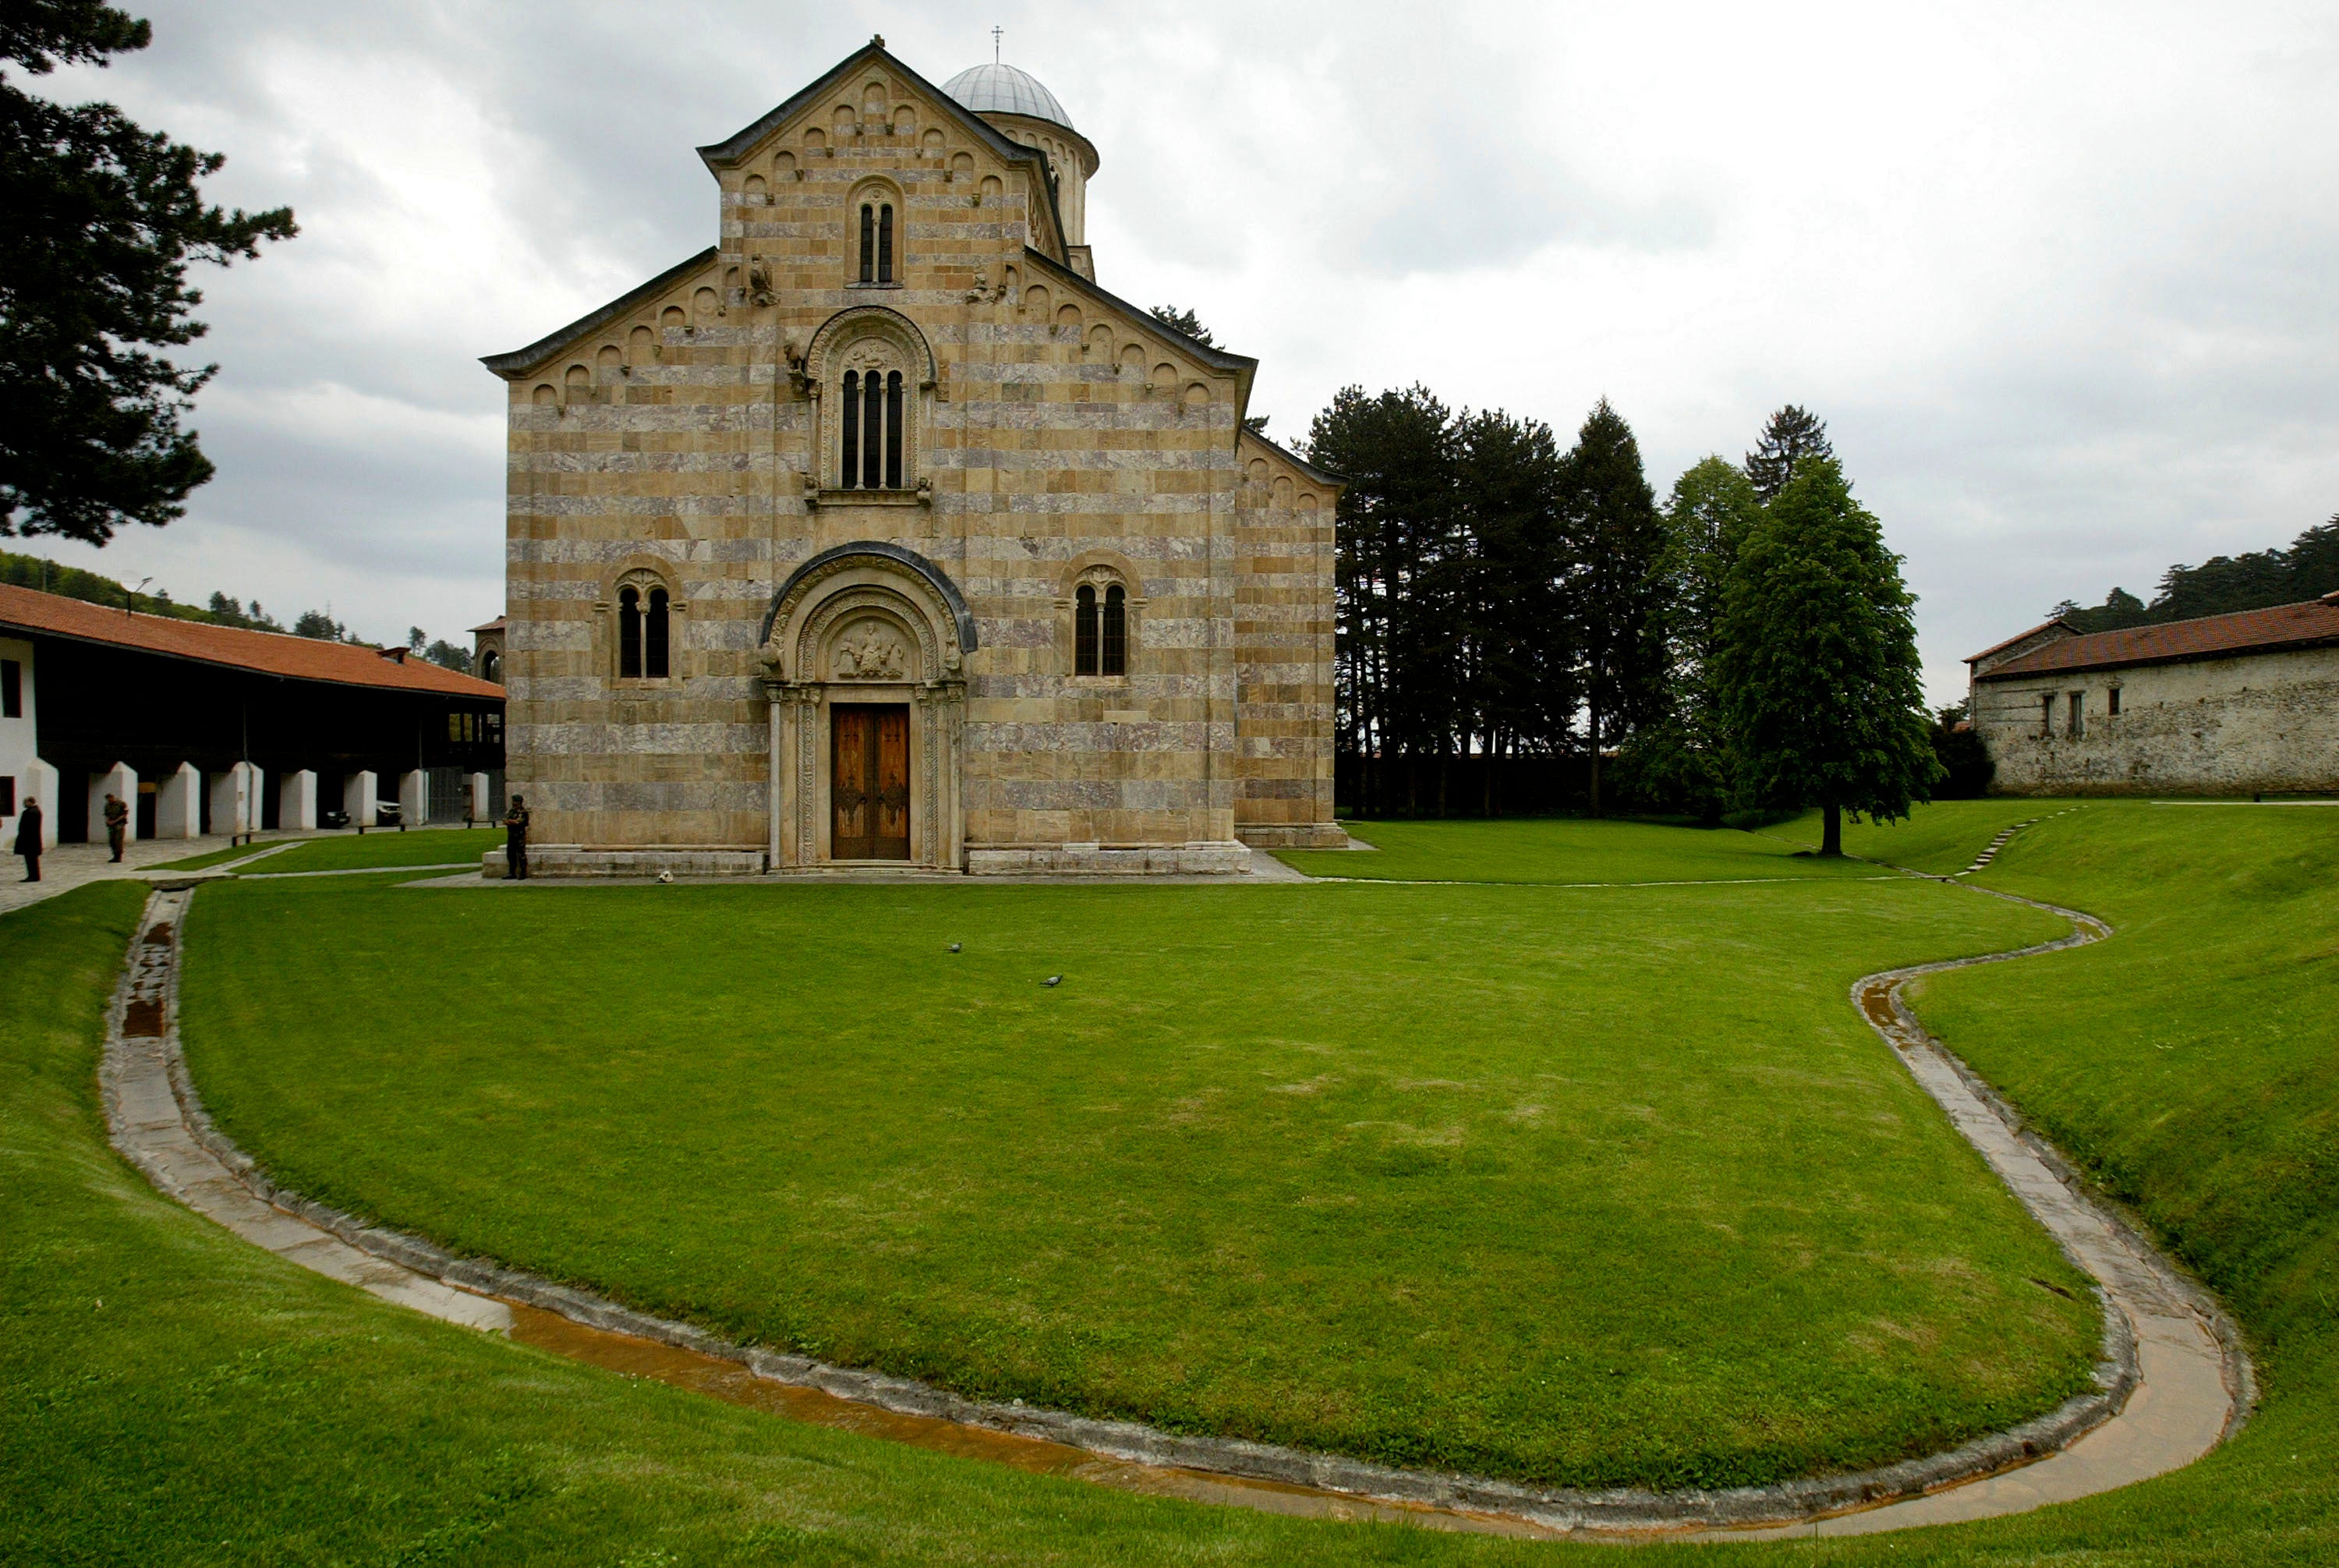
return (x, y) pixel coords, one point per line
(117, 823)
(516, 841)
(28, 838)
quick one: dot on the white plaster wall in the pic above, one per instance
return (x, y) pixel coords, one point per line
(2255, 721)
(18, 751)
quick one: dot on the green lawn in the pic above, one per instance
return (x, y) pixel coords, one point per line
(209, 858)
(1941, 837)
(1411, 1173)
(222, 1406)
(351, 851)
(1562, 850)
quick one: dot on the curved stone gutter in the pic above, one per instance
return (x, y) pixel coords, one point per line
(2172, 1380)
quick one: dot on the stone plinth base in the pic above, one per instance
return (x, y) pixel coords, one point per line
(1293, 835)
(1206, 859)
(551, 862)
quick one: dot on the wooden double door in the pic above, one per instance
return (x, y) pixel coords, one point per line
(869, 781)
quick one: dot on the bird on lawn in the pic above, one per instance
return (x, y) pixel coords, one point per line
(1053, 979)
(953, 947)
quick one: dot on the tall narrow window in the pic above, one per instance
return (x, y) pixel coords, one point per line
(629, 634)
(1084, 631)
(2079, 706)
(1115, 660)
(872, 421)
(868, 243)
(849, 470)
(893, 427)
(885, 244)
(654, 661)
(2114, 707)
(2046, 714)
(12, 689)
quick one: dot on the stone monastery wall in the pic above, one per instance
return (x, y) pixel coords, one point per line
(2251, 723)
(688, 441)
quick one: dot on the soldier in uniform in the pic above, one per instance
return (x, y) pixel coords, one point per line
(516, 841)
(117, 823)
(28, 838)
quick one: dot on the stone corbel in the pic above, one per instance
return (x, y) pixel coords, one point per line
(926, 493)
(811, 490)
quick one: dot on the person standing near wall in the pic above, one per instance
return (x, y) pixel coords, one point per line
(28, 838)
(117, 823)
(516, 841)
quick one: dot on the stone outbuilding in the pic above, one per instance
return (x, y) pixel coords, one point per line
(2240, 703)
(879, 532)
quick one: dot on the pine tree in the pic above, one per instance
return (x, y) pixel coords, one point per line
(1818, 659)
(1616, 547)
(1185, 322)
(1680, 760)
(1792, 435)
(103, 219)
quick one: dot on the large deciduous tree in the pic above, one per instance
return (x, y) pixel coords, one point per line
(103, 219)
(1616, 589)
(1818, 659)
(1791, 435)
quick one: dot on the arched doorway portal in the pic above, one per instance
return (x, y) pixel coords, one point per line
(865, 651)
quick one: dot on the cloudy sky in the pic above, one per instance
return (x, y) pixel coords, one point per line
(2061, 279)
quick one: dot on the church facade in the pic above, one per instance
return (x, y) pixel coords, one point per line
(879, 533)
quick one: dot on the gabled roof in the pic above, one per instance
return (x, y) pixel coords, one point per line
(2022, 637)
(520, 361)
(493, 626)
(2281, 627)
(722, 155)
(1321, 476)
(1216, 359)
(232, 647)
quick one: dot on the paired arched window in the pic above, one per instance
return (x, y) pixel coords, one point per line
(871, 458)
(1100, 631)
(877, 242)
(643, 635)
(492, 667)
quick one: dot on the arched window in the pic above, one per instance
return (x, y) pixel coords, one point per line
(876, 242)
(492, 667)
(629, 634)
(893, 430)
(654, 639)
(873, 425)
(849, 462)
(1115, 654)
(1084, 631)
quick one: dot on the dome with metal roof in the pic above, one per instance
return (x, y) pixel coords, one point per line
(998, 89)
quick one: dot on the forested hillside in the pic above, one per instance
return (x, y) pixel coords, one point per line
(2308, 569)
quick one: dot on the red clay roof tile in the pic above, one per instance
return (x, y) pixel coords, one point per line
(2210, 636)
(270, 653)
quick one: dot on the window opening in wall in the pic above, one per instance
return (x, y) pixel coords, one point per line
(492, 665)
(1084, 631)
(877, 242)
(1114, 660)
(868, 243)
(7, 795)
(2112, 703)
(850, 467)
(629, 634)
(2079, 704)
(2046, 714)
(873, 422)
(654, 637)
(885, 244)
(893, 428)
(12, 689)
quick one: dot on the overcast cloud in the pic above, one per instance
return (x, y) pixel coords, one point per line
(2061, 279)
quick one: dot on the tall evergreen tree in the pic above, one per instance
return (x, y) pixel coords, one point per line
(103, 219)
(1792, 435)
(1616, 550)
(1682, 758)
(1522, 694)
(1818, 659)
(1398, 639)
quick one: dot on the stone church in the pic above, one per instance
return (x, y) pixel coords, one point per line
(878, 532)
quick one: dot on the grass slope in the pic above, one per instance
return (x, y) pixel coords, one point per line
(224, 1406)
(1412, 1173)
(1562, 850)
(1941, 837)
